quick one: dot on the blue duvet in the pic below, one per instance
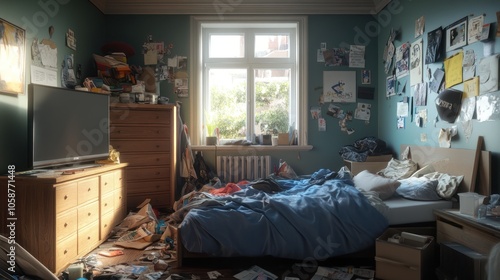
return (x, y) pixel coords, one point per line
(317, 217)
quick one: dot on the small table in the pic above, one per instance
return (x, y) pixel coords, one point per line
(479, 235)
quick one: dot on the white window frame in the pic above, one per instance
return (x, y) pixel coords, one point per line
(196, 83)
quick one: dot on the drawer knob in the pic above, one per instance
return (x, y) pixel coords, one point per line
(105, 183)
(65, 224)
(88, 237)
(89, 214)
(105, 204)
(65, 252)
(65, 197)
(105, 225)
(157, 146)
(89, 189)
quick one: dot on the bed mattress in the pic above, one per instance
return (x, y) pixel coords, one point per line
(406, 211)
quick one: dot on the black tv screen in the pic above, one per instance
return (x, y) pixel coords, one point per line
(66, 127)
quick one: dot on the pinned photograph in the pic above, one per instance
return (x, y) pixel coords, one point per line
(390, 86)
(419, 26)
(456, 34)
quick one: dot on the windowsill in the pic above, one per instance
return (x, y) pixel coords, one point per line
(251, 147)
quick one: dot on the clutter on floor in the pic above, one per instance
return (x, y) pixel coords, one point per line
(143, 247)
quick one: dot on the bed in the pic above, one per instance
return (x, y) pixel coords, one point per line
(319, 216)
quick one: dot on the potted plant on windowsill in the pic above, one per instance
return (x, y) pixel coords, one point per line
(211, 138)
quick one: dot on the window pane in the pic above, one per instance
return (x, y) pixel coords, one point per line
(227, 103)
(272, 101)
(227, 46)
(272, 46)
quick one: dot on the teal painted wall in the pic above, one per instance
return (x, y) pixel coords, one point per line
(436, 13)
(84, 19)
(336, 31)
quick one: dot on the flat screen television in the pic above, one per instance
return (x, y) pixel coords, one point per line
(66, 127)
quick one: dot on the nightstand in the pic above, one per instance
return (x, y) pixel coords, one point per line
(478, 235)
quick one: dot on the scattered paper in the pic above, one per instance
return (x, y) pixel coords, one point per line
(255, 273)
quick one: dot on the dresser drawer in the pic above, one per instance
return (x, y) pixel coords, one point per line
(106, 225)
(66, 197)
(88, 237)
(161, 199)
(138, 132)
(66, 224)
(107, 202)
(88, 190)
(119, 179)
(107, 182)
(119, 198)
(128, 116)
(66, 251)
(148, 173)
(88, 213)
(141, 145)
(146, 159)
(150, 186)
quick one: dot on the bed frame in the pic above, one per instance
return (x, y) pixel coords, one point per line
(474, 165)
(476, 168)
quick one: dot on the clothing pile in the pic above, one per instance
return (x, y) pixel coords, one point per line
(364, 147)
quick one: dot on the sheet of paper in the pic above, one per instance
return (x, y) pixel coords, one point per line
(437, 80)
(362, 112)
(469, 68)
(416, 65)
(453, 69)
(475, 28)
(43, 76)
(150, 57)
(402, 109)
(357, 56)
(471, 88)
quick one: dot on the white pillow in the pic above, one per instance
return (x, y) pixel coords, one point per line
(447, 184)
(367, 181)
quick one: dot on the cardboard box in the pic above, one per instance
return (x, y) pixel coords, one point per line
(373, 164)
(394, 261)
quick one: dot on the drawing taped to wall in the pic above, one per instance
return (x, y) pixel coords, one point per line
(339, 86)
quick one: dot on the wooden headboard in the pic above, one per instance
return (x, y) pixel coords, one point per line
(456, 162)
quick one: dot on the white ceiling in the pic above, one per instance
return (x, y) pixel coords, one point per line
(235, 7)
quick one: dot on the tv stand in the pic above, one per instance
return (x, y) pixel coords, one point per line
(59, 218)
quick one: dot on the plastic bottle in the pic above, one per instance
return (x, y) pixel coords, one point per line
(483, 208)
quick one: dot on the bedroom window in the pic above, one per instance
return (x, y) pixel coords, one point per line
(248, 78)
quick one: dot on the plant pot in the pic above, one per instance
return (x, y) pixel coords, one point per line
(211, 140)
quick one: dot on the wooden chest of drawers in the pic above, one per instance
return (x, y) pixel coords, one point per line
(62, 217)
(146, 137)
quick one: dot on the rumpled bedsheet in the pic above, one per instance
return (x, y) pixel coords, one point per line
(318, 217)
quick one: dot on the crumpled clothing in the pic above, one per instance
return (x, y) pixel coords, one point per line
(228, 189)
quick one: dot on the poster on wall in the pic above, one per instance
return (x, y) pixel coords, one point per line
(12, 56)
(339, 86)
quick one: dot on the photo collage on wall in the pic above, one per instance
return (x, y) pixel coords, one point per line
(340, 89)
(461, 73)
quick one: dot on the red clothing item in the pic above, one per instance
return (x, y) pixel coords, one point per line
(228, 189)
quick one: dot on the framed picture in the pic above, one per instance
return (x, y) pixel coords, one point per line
(12, 56)
(456, 34)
